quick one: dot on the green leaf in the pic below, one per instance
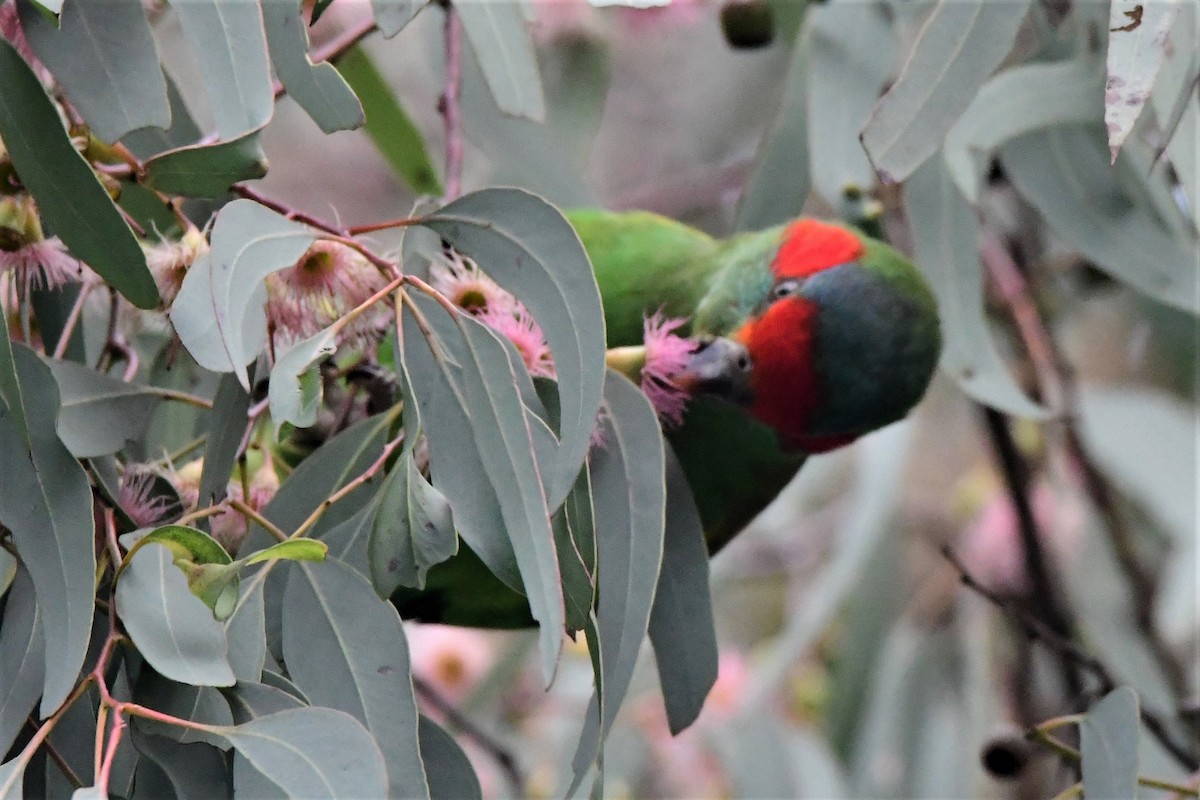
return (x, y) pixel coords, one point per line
(499, 36)
(250, 700)
(345, 648)
(526, 245)
(12, 776)
(629, 496)
(69, 196)
(22, 658)
(148, 142)
(104, 57)
(481, 458)
(47, 504)
(348, 541)
(184, 543)
(412, 530)
(295, 389)
(217, 585)
(185, 771)
(228, 40)
(575, 541)
(202, 704)
(245, 630)
(226, 426)
(1064, 172)
(1017, 101)
(99, 413)
(392, 15)
(852, 52)
(207, 170)
(960, 45)
(1137, 40)
(293, 550)
(173, 630)
(450, 774)
(388, 125)
(778, 187)
(312, 752)
(681, 619)
(219, 312)
(945, 246)
(317, 88)
(1108, 742)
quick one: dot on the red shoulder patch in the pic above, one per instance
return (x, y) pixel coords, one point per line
(784, 379)
(810, 246)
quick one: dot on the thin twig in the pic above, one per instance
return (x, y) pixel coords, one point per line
(57, 757)
(1037, 629)
(449, 104)
(1040, 736)
(64, 336)
(502, 755)
(341, 493)
(1047, 595)
(246, 510)
(176, 395)
(1058, 389)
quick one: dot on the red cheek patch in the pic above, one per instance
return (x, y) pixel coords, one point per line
(784, 379)
(810, 246)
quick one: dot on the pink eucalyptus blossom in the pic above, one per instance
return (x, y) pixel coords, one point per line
(520, 328)
(667, 356)
(135, 499)
(39, 264)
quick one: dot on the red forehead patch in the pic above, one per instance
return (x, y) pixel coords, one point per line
(810, 246)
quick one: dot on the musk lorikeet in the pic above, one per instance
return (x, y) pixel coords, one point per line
(842, 337)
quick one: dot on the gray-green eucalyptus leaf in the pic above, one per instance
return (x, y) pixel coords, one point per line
(47, 504)
(1108, 743)
(499, 36)
(22, 658)
(99, 414)
(207, 170)
(412, 532)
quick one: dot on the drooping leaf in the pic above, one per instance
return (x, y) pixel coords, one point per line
(69, 196)
(476, 426)
(526, 245)
(392, 15)
(681, 619)
(312, 752)
(296, 387)
(186, 771)
(450, 773)
(228, 40)
(1018, 100)
(318, 88)
(629, 497)
(500, 38)
(945, 240)
(852, 53)
(99, 414)
(47, 504)
(22, 658)
(1137, 40)
(183, 542)
(173, 630)
(207, 170)
(345, 648)
(959, 47)
(1065, 173)
(413, 529)
(1108, 742)
(389, 127)
(226, 426)
(104, 57)
(245, 630)
(219, 312)
(778, 186)
(575, 541)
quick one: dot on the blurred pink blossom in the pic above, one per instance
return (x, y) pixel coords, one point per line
(451, 659)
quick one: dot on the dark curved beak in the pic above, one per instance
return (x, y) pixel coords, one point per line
(719, 367)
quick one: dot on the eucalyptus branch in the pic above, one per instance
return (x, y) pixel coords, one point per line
(247, 511)
(489, 744)
(64, 336)
(1056, 380)
(201, 513)
(177, 396)
(1040, 736)
(1039, 630)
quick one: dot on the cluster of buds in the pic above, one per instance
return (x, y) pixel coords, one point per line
(229, 526)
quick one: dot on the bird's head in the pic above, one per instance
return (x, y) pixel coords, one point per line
(841, 330)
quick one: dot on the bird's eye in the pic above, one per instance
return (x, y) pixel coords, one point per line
(785, 289)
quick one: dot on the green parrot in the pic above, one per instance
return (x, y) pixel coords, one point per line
(810, 335)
